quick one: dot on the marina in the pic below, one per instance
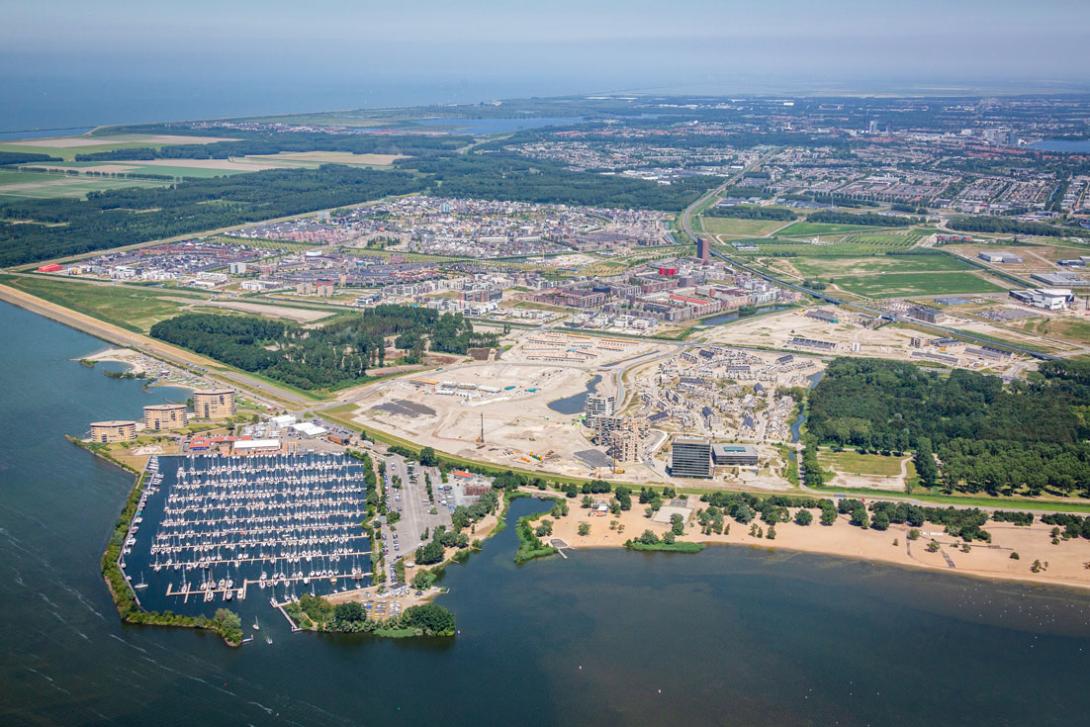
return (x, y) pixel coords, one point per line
(211, 529)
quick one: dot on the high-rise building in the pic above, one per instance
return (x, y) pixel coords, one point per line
(703, 250)
(165, 416)
(113, 431)
(691, 457)
(214, 404)
(597, 405)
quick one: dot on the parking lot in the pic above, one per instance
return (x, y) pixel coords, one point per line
(417, 512)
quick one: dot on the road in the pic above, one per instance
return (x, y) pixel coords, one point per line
(685, 224)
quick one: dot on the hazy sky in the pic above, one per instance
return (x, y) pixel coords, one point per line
(475, 49)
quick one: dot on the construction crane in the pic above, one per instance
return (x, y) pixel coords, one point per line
(480, 437)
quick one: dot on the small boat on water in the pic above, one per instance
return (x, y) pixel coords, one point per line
(257, 626)
(142, 584)
(268, 639)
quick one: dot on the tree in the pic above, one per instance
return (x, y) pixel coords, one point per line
(803, 517)
(880, 521)
(584, 529)
(350, 612)
(648, 537)
(828, 516)
(677, 524)
(588, 502)
(432, 618)
(428, 457)
(860, 517)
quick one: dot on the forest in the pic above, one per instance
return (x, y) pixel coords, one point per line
(751, 212)
(871, 219)
(25, 157)
(273, 143)
(125, 216)
(515, 178)
(987, 436)
(1012, 226)
(331, 356)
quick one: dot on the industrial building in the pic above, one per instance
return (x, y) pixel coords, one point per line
(1046, 298)
(214, 404)
(1000, 257)
(691, 457)
(113, 431)
(738, 455)
(165, 416)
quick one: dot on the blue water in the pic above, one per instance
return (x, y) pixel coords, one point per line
(576, 402)
(1063, 145)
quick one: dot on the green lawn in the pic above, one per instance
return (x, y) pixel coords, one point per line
(844, 245)
(811, 229)
(900, 285)
(133, 308)
(837, 266)
(853, 463)
(730, 227)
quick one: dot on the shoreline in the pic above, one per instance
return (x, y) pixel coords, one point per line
(1063, 565)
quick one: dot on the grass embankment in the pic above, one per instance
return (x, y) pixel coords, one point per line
(226, 623)
(674, 547)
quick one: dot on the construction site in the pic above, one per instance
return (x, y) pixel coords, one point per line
(525, 410)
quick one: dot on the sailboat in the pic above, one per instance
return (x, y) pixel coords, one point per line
(142, 584)
(268, 639)
(257, 626)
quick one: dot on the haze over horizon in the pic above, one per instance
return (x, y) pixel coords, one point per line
(145, 62)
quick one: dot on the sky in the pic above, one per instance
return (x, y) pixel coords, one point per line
(275, 54)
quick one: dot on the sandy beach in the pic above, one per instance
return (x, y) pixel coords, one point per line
(1065, 563)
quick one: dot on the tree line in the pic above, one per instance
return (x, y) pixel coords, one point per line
(970, 431)
(326, 357)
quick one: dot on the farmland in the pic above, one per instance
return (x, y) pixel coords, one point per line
(52, 185)
(67, 147)
(899, 285)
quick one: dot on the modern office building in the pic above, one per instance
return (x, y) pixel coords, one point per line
(214, 404)
(740, 455)
(691, 457)
(165, 416)
(113, 431)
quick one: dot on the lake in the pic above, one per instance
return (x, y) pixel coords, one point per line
(1070, 146)
(728, 636)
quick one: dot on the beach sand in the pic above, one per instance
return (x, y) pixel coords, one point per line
(1066, 562)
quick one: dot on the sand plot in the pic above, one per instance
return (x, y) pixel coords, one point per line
(447, 410)
(300, 315)
(315, 158)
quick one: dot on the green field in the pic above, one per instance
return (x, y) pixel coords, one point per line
(838, 266)
(853, 463)
(67, 147)
(46, 185)
(133, 308)
(900, 285)
(729, 227)
(822, 229)
(855, 245)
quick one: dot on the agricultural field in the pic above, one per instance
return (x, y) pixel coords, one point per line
(851, 469)
(902, 285)
(133, 308)
(67, 147)
(54, 185)
(317, 158)
(730, 228)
